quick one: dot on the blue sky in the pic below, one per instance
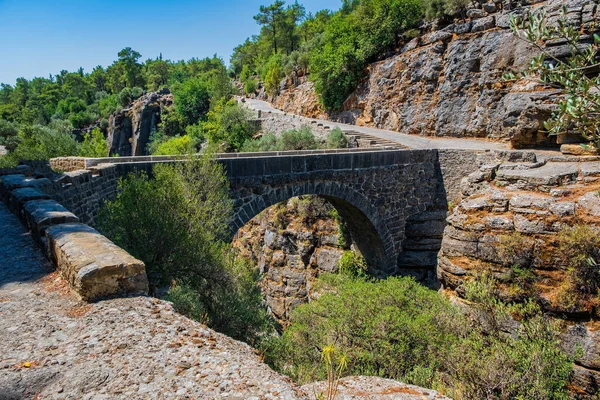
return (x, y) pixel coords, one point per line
(42, 37)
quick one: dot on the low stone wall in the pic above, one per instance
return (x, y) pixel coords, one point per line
(84, 192)
(94, 266)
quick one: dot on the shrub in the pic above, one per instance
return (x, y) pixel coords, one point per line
(398, 329)
(352, 264)
(8, 134)
(94, 145)
(176, 145)
(250, 86)
(171, 123)
(108, 105)
(444, 8)
(267, 142)
(299, 139)
(336, 139)
(385, 328)
(311, 208)
(41, 143)
(352, 38)
(128, 95)
(192, 99)
(176, 224)
(228, 122)
(491, 364)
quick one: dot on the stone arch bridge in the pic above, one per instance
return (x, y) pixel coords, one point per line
(393, 201)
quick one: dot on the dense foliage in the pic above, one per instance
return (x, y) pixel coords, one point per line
(34, 113)
(176, 223)
(398, 329)
(334, 47)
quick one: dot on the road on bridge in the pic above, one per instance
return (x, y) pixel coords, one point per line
(405, 140)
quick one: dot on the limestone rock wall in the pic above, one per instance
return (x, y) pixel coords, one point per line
(448, 81)
(129, 129)
(509, 226)
(292, 243)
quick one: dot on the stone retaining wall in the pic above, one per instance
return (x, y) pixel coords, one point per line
(94, 266)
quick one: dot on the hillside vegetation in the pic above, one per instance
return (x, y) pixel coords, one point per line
(334, 46)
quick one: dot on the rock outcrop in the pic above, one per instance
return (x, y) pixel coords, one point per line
(449, 81)
(510, 226)
(292, 244)
(129, 129)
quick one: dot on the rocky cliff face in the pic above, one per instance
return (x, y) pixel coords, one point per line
(129, 129)
(448, 81)
(511, 225)
(292, 243)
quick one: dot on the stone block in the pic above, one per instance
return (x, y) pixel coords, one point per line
(94, 266)
(483, 24)
(476, 13)
(22, 195)
(41, 214)
(590, 203)
(326, 258)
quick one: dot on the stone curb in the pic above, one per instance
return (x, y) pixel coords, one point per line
(95, 267)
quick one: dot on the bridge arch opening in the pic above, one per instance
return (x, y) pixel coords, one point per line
(294, 241)
(359, 229)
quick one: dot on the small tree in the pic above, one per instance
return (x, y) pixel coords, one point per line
(576, 76)
(94, 145)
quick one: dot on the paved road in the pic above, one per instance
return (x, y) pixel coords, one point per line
(410, 141)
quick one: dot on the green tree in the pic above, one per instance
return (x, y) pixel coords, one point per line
(176, 224)
(271, 18)
(129, 59)
(94, 145)
(192, 99)
(228, 122)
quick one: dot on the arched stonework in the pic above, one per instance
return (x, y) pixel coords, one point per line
(377, 191)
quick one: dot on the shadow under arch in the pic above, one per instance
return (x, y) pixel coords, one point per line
(370, 236)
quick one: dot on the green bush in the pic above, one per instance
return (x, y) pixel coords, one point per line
(108, 105)
(179, 145)
(398, 329)
(192, 99)
(354, 37)
(336, 139)
(128, 95)
(41, 143)
(176, 224)
(250, 86)
(228, 122)
(444, 8)
(352, 264)
(298, 139)
(386, 328)
(94, 145)
(580, 249)
(9, 134)
(267, 142)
